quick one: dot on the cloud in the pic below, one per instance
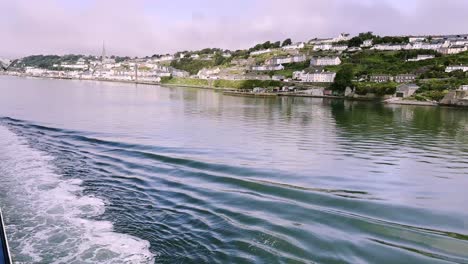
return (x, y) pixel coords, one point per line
(143, 27)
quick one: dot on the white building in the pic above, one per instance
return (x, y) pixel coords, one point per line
(342, 37)
(259, 52)
(417, 39)
(286, 60)
(325, 61)
(339, 47)
(268, 68)
(453, 49)
(34, 71)
(316, 77)
(322, 46)
(208, 73)
(463, 88)
(367, 43)
(464, 68)
(422, 57)
(299, 45)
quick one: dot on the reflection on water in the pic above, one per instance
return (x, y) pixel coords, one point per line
(208, 178)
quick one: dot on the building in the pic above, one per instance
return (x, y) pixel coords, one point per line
(422, 57)
(285, 60)
(354, 49)
(322, 46)
(316, 77)
(342, 37)
(278, 77)
(299, 45)
(463, 88)
(413, 39)
(325, 61)
(208, 73)
(463, 68)
(367, 43)
(455, 49)
(339, 47)
(259, 52)
(406, 90)
(379, 78)
(388, 47)
(267, 68)
(405, 78)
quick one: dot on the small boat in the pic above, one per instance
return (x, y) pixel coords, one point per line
(4, 251)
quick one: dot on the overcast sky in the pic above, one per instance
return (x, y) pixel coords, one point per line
(146, 27)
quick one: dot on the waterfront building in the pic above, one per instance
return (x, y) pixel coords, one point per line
(406, 90)
(208, 73)
(314, 77)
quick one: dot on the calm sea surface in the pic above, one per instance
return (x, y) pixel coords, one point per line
(118, 173)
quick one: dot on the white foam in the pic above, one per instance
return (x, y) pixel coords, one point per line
(47, 214)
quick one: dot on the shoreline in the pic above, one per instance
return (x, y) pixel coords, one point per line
(233, 92)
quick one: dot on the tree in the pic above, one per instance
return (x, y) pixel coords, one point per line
(276, 45)
(287, 42)
(343, 79)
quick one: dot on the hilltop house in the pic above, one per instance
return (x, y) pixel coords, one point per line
(406, 90)
(299, 45)
(463, 68)
(325, 61)
(405, 78)
(317, 77)
(379, 78)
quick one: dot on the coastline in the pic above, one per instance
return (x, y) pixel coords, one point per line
(233, 92)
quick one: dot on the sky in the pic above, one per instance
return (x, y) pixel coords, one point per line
(147, 27)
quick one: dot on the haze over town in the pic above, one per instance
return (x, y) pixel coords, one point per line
(140, 28)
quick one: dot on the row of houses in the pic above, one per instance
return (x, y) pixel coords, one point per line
(442, 47)
(286, 60)
(463, 68)
(314, 77)
(401, 78)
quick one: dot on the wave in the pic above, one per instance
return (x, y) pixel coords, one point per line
(49, 219)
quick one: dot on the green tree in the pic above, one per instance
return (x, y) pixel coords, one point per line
(343, 79)
(286, 42)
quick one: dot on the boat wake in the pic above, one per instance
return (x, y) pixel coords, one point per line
(49, 219)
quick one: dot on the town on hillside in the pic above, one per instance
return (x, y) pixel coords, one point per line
(431, 69)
